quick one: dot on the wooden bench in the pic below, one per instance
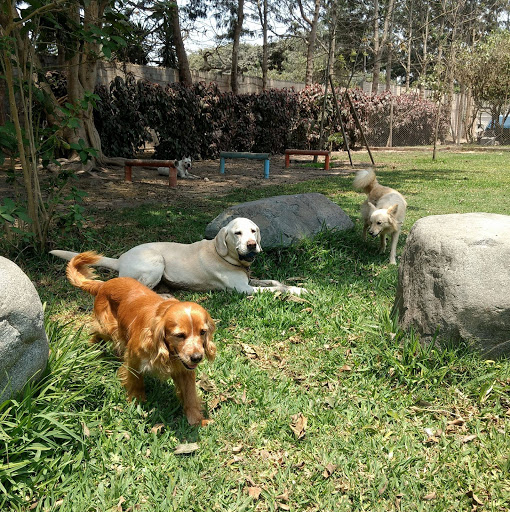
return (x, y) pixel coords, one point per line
(172, 170)
(250, 156)
(313, 152)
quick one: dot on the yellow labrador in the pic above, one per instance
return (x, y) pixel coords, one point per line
(218, 264)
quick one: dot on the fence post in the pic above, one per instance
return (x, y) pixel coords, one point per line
(389, 144)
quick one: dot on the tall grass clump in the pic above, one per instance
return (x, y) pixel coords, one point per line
(42, 430)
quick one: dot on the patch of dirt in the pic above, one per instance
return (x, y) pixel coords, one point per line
(108, 189)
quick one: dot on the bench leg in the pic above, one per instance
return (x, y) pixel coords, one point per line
(172, 176)
(326, 163)
(128, 173)
(287, 159)
(266, 168)
(222, 165)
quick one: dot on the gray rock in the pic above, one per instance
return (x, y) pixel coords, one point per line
(23, 342)
(285, 220)
(454, 279)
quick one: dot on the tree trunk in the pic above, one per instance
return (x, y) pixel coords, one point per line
(408, 64)
(312, 36)
(388, 68)
(379, 46)
(235, 47)
(263, 17)
(425, 55)
(376, 50)
(182, 58)
(81, 78)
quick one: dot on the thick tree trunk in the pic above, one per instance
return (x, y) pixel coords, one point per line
(235, 47)
(81, 78)
(182, 58)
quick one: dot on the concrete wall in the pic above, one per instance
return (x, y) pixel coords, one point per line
(107, 71)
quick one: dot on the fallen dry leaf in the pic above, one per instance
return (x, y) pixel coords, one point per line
(284, 496)
(157, 428)
(120, 502)
(254, 492)
(430, 496)
(206, 384)
(237, 449)
(86, 431)
(330, 401)
(249, 351)
(295, 298)
(383, 487)
(216, 401)
(264, 454)
(468, 439)
(283, 506)
(475, 498)
(345, 368)
(298, 425)
(457, 421)
(186, 448)
(329, 470)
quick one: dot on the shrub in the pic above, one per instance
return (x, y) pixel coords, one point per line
(120, 118)
(201, 121)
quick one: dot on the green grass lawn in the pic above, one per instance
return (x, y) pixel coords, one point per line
(319, 403)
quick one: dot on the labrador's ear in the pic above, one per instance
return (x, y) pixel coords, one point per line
(257, 238)
(220, 242)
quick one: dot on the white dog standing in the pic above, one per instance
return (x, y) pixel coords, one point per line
(183, 169)
(383, 212)
(218, 264)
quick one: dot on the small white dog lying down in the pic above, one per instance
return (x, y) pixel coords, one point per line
(218, 264)
(183, 169)
(383, 212)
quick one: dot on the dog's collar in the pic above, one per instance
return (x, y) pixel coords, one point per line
(242, 267)
(234, 265)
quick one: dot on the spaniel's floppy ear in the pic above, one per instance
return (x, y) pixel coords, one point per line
(220, 242)
(155, 340)
(209, 346)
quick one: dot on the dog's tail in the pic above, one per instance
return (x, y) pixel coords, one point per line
(365, 180)
(81, 275)
(101, 261)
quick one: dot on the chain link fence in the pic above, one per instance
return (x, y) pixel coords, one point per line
(406, 123)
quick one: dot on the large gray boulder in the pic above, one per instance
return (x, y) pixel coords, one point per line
(454, 279)
(285, 220)
(23, 341)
